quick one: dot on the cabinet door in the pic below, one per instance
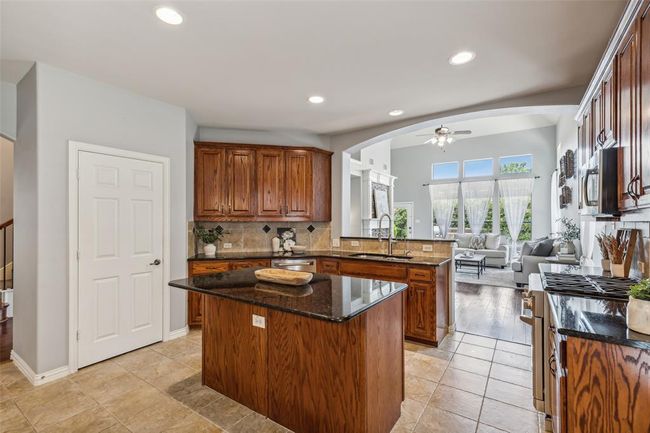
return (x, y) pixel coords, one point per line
(270, 183)
(609, 104)
(209, 182)
(241, 182)
(420, 306)
(298, 169)
(627, 115)
(243, 264)
(597, 129)
(642, 150)
(194, 308)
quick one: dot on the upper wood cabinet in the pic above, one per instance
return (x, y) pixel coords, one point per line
(642, 151)
(609, 104)
(238, 182)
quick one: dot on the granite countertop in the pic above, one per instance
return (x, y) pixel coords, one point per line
(595, 319)
(327, 297)
(335, 254)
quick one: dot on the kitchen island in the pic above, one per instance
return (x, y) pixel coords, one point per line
(324, 357)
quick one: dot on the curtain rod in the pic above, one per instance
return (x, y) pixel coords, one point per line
(497, 179)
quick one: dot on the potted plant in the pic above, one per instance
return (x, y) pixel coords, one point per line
(209, 237)
(603, 242)
(638, 309)
(616, 254)
(568, 234)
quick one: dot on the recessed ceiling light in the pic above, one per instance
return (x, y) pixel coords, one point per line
(461, 58)
(169, 15)
(316, 99)
(396, 112)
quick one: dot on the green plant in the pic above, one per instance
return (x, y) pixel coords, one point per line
(208, 236)
(641, 290)
(400, 226)
(571, 230)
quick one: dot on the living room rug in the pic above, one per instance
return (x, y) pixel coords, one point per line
(491, 277)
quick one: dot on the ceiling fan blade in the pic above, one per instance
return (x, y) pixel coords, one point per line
(463, 132)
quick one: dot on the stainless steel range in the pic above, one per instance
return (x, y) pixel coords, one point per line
(569, 280)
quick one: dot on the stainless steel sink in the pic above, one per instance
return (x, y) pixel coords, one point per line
(380, 256)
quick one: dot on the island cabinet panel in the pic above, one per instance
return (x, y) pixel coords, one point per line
(270, 183)
(421, 312)
(442, 301)
(607, 387)
(235, 352)
(387, 272)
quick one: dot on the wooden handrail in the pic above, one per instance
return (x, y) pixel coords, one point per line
(6, 224)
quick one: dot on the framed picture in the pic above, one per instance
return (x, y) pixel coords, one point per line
(287, 237)
(381, 202)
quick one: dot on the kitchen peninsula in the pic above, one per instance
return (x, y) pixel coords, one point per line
(327, 356)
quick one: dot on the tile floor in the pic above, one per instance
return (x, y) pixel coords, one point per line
(469, 384)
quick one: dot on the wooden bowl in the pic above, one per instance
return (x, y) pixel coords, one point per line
(283, 276)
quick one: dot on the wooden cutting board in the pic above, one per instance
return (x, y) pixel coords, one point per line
(283, 276)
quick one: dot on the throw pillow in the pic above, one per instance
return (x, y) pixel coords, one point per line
(477, 242)
(492, 241)
(527, 248)
(543, 248)
(463, 240)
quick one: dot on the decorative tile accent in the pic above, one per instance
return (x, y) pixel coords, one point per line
(311, 228)
(267, 229)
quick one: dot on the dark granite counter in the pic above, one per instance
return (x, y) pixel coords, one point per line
(415, 260)
(326, 297)
(595, 319)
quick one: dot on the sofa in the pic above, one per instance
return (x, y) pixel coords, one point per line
(491, 245)
(528, 262)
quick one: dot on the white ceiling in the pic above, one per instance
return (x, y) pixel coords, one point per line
(245, 64)
(480, 127)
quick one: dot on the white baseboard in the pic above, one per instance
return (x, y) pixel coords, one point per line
(41, 378)
(182, 332)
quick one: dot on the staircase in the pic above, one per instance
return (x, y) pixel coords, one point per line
(7, 268)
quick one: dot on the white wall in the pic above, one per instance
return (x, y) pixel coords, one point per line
(376, 157)
(566, 133)
(277, 137)
(72, 107)
(8, 109)
(412, 166)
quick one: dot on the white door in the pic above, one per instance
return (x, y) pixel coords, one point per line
(120, 252)
(403, 219)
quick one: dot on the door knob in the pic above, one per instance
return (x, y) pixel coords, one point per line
(155, 262)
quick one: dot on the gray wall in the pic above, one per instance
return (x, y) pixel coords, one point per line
(72, 107)
(248, 136)
(412, 166)
(8, 109)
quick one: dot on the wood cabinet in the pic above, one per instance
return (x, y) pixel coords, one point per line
(328, 266)
(204, 267)
(237, 182)
(609, 105)
(641, 153)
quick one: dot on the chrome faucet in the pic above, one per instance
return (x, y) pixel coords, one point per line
(390, 232)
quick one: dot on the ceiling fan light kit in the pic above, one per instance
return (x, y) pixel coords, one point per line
(444, 135)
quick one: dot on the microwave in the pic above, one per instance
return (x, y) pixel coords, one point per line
(599, 179)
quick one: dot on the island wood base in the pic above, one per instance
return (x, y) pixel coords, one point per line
(306, 374)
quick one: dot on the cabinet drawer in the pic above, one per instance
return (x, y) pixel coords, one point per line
(373, 270)
(327, 266)
(421, 274)
(243, 264)
(208, 267)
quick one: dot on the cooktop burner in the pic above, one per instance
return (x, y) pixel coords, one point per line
(587, 285)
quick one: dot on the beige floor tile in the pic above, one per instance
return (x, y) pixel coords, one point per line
(13, 382)
(437, 353)
(474, 351)
(163, 416)
(195, 335)
(411, 413)
(176, 347)
(434, 420)
(54, 402)
(507, 417)
(93, 420)
(464, 380)
(427, 367)
(473, 365)
(512, 375)
(418, 388)
(194, 423)
(191, 393)
(509, 393)
(138, 359)
(256, 423)
(401, 428)
(478, 340)
(519, 349)
(483, 428)
(457, 401)
(165, 373)
(12, 420)
(456, 336)
(128, 406)
(224, 412)
(192, 360)
(106, 383)
(117, 428)
(513, 360)
(449, 345)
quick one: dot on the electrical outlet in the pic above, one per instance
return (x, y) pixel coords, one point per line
(259, 321)
(354, 243)
(336, 242)
(427, 247)
(227, 245)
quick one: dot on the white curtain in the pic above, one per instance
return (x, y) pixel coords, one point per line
(516, 193)
(476, 199)
(444, 198)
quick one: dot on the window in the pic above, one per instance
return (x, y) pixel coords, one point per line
(445, 170)
(453, 225)
(526, 232)
(516, 164)
(487, 224)
(478, 167)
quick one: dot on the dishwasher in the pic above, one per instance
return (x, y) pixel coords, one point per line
(304, 265)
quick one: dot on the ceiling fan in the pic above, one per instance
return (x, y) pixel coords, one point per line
(443, 135)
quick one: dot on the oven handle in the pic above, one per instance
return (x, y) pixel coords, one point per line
(585, 183)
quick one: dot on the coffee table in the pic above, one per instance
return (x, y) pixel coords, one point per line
(476, 261)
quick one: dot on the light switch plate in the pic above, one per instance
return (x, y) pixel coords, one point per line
(427, 247)
(336, 242)
(354, 243)
(259, 321)
(227, 245)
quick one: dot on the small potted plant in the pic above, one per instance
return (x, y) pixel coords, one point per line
(638, 309)
(570, 233)
(616, 254)
(209, 237)
(603, 241)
